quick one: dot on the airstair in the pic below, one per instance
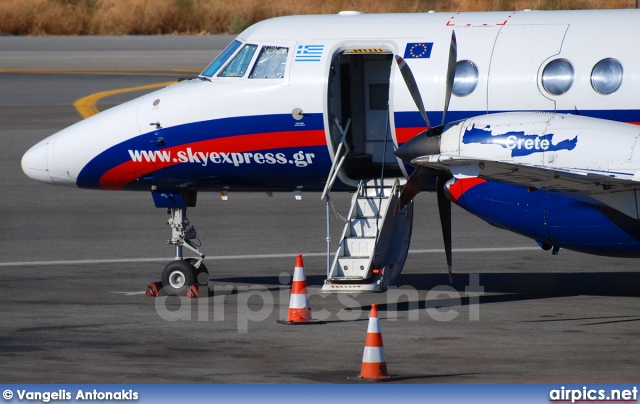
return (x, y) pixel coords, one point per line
(375, 239)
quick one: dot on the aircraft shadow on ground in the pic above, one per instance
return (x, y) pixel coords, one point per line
(544, 284)
(557, 283)
(497, 288)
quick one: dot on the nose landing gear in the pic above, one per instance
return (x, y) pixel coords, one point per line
(181, 275)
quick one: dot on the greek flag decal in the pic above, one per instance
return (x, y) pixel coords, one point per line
(309, 53)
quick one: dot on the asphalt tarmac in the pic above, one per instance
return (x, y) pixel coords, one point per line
(74, 265)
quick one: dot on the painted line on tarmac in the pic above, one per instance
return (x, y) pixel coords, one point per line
(140, 292)
(246, 257)
(110, 72)
(86, 106)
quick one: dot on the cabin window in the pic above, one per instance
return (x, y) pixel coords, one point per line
(239, 64)
(557, 76)
(465, 79)
(221, 59)
(271, 63)
(606, 76)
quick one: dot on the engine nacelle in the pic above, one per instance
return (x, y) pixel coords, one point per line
(545, 139)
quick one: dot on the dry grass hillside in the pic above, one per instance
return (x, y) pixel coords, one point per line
(140, 17)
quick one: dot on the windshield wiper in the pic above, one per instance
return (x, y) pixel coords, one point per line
(203, 78)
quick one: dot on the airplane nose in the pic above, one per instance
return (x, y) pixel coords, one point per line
(34, 163)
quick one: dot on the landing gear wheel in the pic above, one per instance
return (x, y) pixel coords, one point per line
(202, 273)
(177, 277)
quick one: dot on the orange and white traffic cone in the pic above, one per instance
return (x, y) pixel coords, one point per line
(374, 363)
(299, 308)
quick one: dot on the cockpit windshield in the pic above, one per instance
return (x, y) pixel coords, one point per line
(238, 66)
(221, 59)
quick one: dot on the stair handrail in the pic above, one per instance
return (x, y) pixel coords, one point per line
(331, 178)
(339, 159)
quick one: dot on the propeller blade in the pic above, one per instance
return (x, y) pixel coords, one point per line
(428, 143)
(444, 208)
(416, 182)
(410, 81)
(451, 73)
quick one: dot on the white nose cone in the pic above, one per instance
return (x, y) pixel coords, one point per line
(34, 163)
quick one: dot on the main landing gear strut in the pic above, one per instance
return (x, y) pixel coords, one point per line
(182, 274)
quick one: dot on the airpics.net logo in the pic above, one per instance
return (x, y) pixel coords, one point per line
(585, 394)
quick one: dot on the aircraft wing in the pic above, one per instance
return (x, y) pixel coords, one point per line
(567, 180)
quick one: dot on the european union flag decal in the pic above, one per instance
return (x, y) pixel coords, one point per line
(418, 50)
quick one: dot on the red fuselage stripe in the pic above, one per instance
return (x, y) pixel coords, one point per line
(117, 177)
(403, 135)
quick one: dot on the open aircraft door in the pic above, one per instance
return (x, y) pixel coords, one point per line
(358, 95)
(361, 135)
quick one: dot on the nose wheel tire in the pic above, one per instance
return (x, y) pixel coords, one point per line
(177, 277)
(202, 273)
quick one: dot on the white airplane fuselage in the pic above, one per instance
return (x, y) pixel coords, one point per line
(266, 116)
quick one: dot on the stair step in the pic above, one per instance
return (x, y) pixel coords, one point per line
(347, 278)
(364, 227)
(377, 192)
(375, 182)
(358, 247)
(368, 207)
(354, 267)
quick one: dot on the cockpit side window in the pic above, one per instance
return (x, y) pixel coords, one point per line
(271, 63)
(221, 59)
(238, 66)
